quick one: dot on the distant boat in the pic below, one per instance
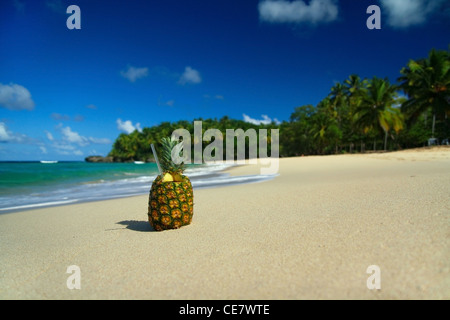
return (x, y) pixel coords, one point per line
(139, 162)
(49, 162)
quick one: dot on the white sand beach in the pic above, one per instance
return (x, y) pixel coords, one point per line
(310, 233)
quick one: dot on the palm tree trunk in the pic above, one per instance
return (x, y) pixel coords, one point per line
(434, 125)
(385, 140)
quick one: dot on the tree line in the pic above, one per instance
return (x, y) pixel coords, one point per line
(358, 115)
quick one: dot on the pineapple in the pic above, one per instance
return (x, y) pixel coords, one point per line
(171, 201)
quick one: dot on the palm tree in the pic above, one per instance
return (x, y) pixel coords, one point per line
(296, 135)
(376, 111)
(427, 84)
(339, 102)
(325, 128)
(355, 89)
(354, 84)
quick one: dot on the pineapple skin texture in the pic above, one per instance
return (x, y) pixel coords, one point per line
(171, 204)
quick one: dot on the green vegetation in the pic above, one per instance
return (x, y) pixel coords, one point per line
(357, 115)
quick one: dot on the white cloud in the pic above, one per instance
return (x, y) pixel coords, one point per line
(265, 120)
(317, 11)
(71, 137)
(133, 74)
(71, 141)
(406, 13)
(99, 140)
(66, 149)
(127, 126)
(49, 136)
(15, 97)
(6, 136)
(43, 149)
(170, 103)
(78, 152)
(190, 76)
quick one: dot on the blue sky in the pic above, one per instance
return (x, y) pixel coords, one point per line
(67, 94)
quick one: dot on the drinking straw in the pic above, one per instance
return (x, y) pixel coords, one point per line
(156, 159)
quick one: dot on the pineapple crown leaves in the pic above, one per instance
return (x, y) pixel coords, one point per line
(170, 156)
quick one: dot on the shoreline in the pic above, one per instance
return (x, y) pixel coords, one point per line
(218, 180)
(130, 185)
(309, 233)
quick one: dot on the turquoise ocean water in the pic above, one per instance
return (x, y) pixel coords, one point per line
(27, 185)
